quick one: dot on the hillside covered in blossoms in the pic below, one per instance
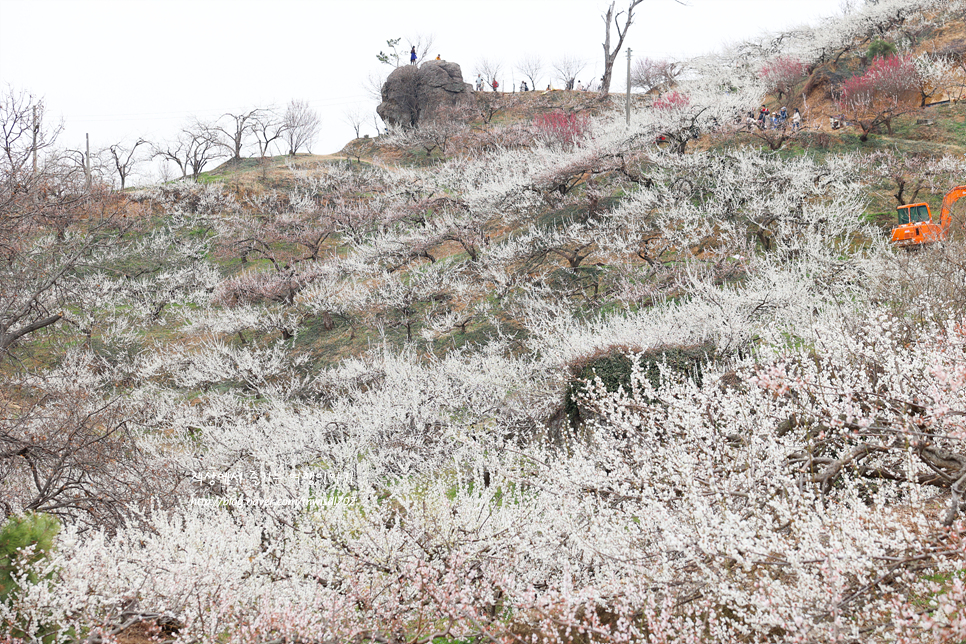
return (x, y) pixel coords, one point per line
(526, 372)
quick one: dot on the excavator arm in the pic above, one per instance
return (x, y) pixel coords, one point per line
(954, 195)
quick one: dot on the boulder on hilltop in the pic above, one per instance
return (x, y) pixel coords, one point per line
(412, 93)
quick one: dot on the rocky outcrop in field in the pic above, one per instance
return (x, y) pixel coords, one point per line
(412, 93)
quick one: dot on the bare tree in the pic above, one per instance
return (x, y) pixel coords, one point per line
(373, 85)
(531, 67)
(40, 276)
(203, 148)
(301, 126)
(232, 135)
(64, 449)
(650, 74)
(33, 277)
(124, 159)
(175, 152)
(847, 7)
(610, 55)
(194, 148)
(70, 454)
(25, 176)
(566, 70)
(267, 127)
(423, 44)
(90, 164)
(23, 135)
(355, 117)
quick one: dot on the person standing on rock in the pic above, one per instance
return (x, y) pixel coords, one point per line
(412, 55)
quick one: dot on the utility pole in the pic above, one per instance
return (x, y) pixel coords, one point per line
(36, 129)
(628, 87)
(87, 161)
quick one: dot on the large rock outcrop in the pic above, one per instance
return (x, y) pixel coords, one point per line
(412, 93)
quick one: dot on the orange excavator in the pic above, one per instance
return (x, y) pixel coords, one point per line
(916, 227)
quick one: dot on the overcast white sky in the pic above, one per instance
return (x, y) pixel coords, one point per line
(123, 69)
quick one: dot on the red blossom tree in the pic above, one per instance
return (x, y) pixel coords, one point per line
(561, 127)
(877, 97)
(893, 76)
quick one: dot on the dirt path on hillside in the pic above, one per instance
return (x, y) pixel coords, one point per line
(341, 157)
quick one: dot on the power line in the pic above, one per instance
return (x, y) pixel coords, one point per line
(159, 116)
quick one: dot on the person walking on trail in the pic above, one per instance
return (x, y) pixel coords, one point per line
(796, 120)
(412, 55)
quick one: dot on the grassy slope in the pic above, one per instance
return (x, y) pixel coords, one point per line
(934, 131)
(944, 133)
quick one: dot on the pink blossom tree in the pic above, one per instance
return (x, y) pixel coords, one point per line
(878, 96)
(781, 74)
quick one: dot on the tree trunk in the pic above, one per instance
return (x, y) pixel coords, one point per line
(611, 56)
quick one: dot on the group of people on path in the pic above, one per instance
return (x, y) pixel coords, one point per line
(494, 84)
(768, 120)
(480, 82)
(525, 86)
